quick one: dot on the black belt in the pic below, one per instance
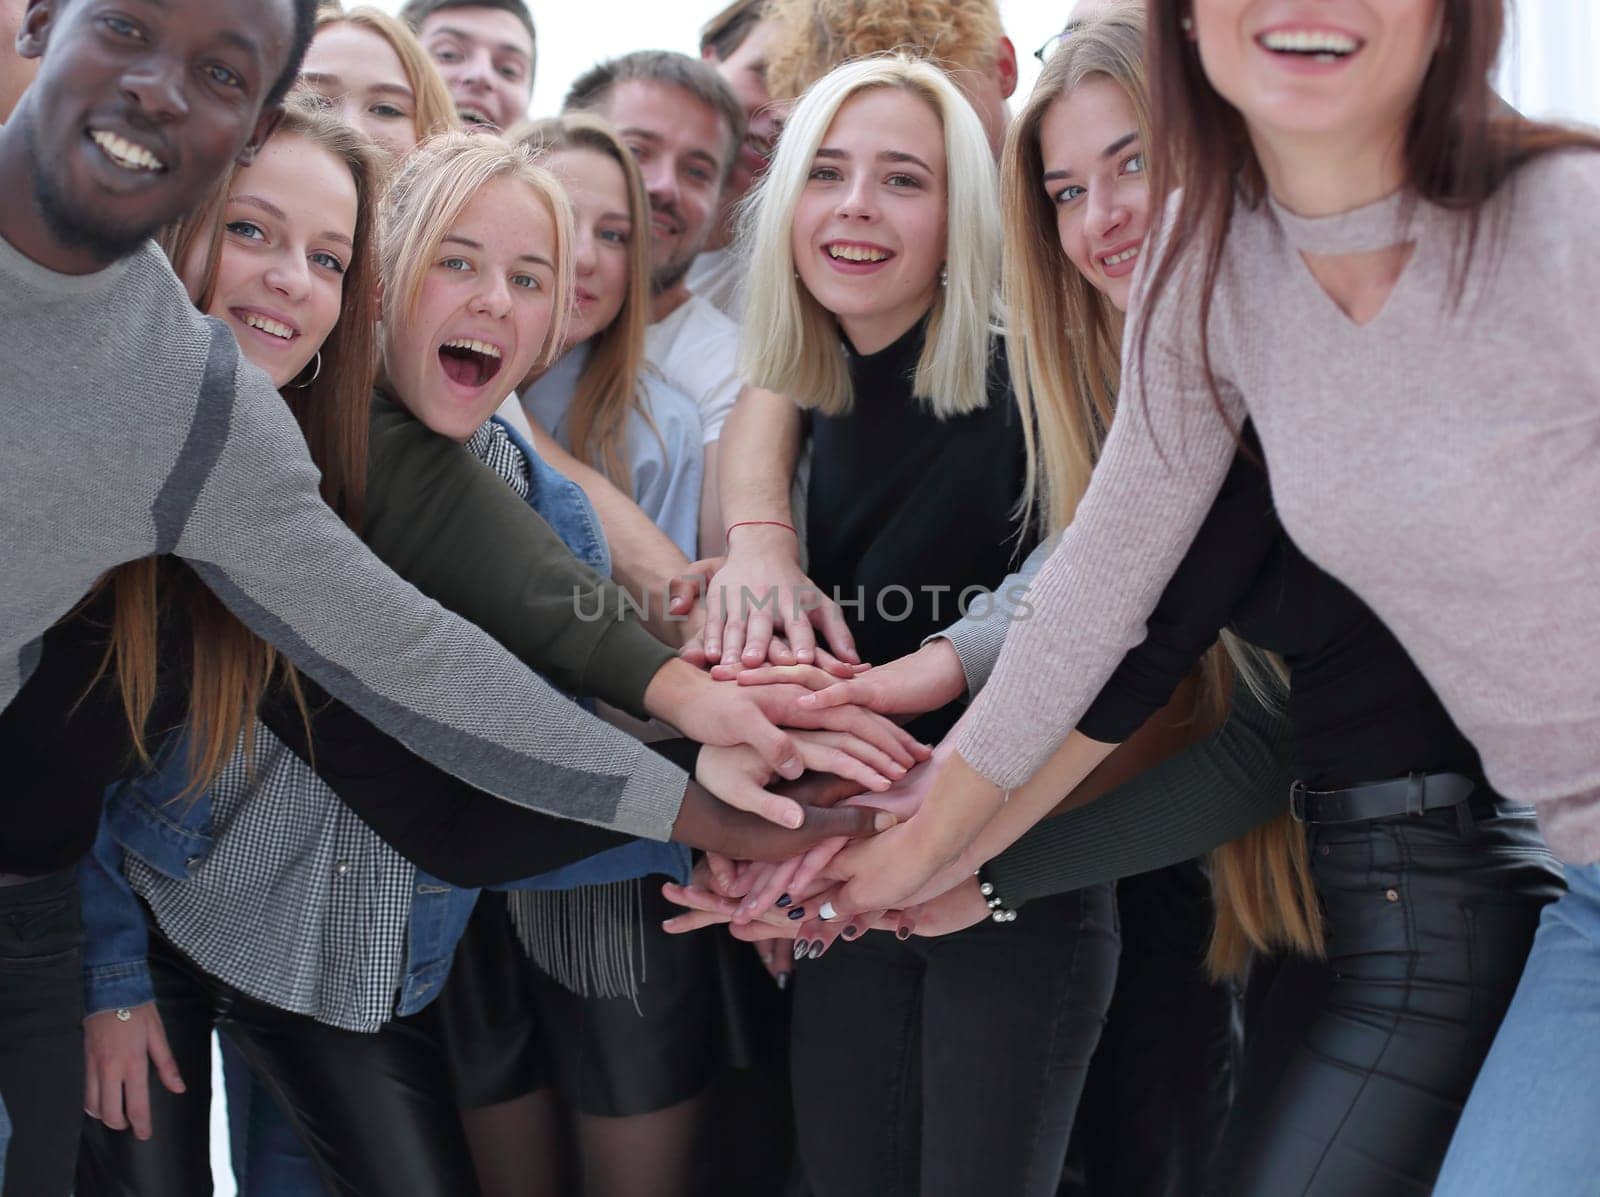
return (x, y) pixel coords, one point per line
(1410, 795)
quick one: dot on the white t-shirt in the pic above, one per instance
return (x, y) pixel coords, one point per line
(718, 275)
(695, 350)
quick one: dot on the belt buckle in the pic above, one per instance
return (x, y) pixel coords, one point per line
(1297, 801)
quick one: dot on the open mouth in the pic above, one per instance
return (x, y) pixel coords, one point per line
(476, 116)
(126, 154)
(844, 251)
(469, 362)
(1317, 45)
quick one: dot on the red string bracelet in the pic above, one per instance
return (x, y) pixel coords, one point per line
(760, 523)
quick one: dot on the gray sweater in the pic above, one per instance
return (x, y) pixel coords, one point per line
(130, 426)
(1442, 461)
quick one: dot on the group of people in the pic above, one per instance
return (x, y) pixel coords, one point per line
(1102, 598)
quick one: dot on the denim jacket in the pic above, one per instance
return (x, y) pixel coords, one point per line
(143, 817)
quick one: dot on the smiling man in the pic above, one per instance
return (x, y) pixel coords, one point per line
(486, 51)
(685, 126)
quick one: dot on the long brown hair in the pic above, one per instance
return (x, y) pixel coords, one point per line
(230, 668)
(1064, 341)
(609, 388)
(1461, 145)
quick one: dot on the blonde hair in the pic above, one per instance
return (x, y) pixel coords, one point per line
(788, 342)
(427, 197)
(436, 111)
(812, 37)
(1065, 384)
(1064, 341)
(609, 388)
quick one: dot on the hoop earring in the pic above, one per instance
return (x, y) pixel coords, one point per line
(315, 374)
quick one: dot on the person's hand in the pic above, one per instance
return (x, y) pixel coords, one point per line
(825, 667)
(888, 872)
(922, 681)
(761, 588)
(117, 1058)
(738, 776)
(724, 714)
(760, 887)
(777, 958)
(956, 909)
(784, 705)
(689, 587)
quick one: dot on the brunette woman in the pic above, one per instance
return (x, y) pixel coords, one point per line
(1410, 1002)
(599, 398)
(1351, 182)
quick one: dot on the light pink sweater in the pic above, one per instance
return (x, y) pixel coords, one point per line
(1444, 462)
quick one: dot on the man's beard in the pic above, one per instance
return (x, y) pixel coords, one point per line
(670, 275)
(73, 227)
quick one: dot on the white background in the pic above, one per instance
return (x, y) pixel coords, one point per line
(1551, 68)
(1552, 65)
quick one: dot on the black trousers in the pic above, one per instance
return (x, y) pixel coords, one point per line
(41, 1033)
(1358, 1066)
(1161, 1082)
(953, 1066)
(375, 1112)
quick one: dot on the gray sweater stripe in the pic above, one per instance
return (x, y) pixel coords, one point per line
(28, 660)
(203, 446)
(569, 793)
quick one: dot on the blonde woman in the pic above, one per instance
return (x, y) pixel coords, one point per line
(369, 69)
(874, 247)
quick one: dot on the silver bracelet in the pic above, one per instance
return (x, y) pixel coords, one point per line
(998, 910)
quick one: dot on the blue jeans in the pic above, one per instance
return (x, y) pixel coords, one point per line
(1530, 1124)
(268, 1160)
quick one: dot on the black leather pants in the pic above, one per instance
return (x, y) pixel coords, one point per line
(375, 1112)
(1358, 1066)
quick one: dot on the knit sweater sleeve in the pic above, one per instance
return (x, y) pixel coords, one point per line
(979, 635)
(1214, 791)
(258, 534)
(1163, 464)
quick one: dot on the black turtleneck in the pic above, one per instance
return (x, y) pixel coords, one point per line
(901, 498)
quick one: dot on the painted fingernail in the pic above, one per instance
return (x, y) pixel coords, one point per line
(783, 980)
(799, 948)
(902, 932)
(816, 950)
(851, 931)
(799, 912)
(784, 900)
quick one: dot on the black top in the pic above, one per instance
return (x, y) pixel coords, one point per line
(1359, 708)
(61, 754)
(906, 511)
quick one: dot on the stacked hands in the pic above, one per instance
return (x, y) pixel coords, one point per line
(909, 871)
